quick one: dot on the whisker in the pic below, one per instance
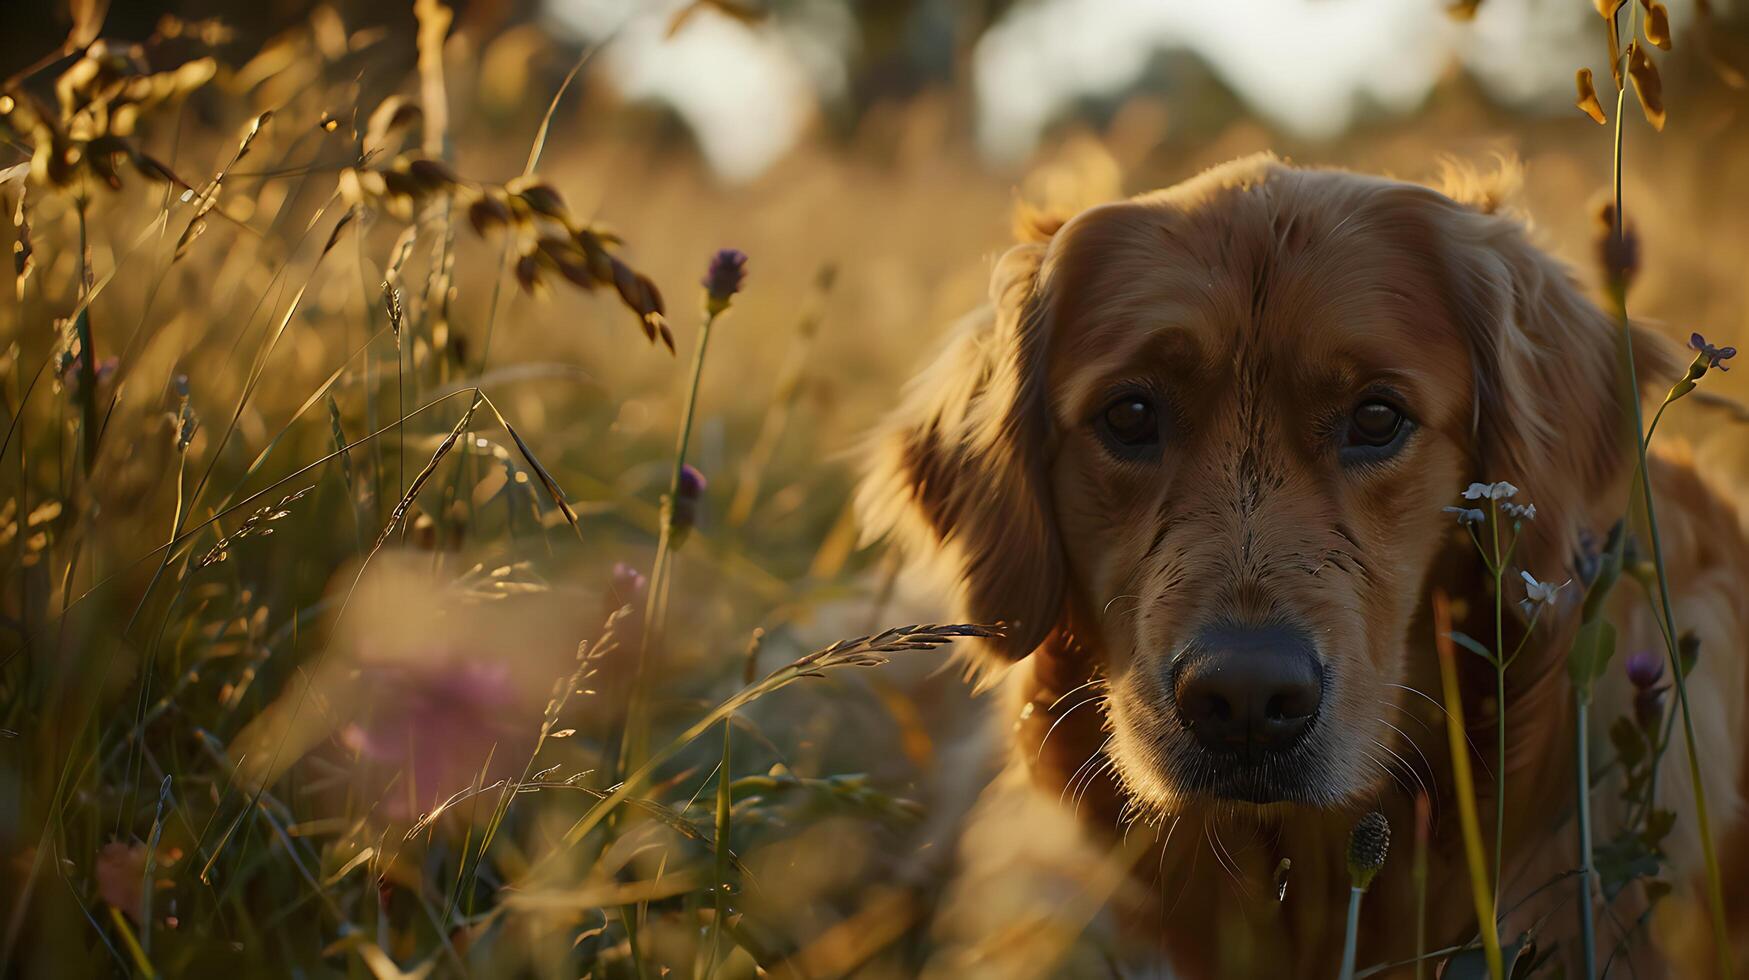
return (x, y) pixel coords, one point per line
(1387, 770)
(1230, 864)
(1059, 720)
(1433, 798)
(1107, 609)
(1479, 759)
(1087, 783)
(1092, 757)
(1078, 687)
(1406, 768)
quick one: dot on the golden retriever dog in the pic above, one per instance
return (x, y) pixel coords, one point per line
(1195, 457)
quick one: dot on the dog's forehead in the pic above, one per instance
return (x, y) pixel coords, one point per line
(1201, 281)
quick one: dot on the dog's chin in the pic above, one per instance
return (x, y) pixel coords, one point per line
(1196, 778)
(1257, 784)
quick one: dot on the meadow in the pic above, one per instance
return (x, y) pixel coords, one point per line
(350, 568)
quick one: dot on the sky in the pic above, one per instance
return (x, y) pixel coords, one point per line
(750, 93)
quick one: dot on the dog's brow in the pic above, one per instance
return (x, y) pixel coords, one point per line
(1167, 350)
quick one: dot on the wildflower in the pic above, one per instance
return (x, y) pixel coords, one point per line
(627, 584)
(687, 498)
(1537, 594)
(1647, 85)
(1658, 25)
(120, 873)
(1710, 356)
(1587, 98)
(438, 722)
(723, 279)
(1367, 845)
(626, 587)
(1467, 516)
(1490, 491)
(1645, 670)
(1523, 512)
(1588, 560)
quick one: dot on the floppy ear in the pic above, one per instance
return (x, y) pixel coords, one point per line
(958, 472)
(1551, 381)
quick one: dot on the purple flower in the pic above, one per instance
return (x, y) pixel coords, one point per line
(723, 279)
(628, 584)
(687, 499)
(692, 482)
(1645, 669)
(437, 723)
(1710, 354)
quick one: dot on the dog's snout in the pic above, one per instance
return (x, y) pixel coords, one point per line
(1248, 689)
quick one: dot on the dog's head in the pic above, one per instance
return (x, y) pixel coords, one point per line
(1214, 427)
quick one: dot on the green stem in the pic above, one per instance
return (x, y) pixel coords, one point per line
(635, 738)
(1352, 934)
(1715, 881)
(725, 806)
(1582, 772)
(632, 744)
(87, 353)
(1499, 697)
(1418, 874)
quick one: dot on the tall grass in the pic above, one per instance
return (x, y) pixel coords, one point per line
(327, 723)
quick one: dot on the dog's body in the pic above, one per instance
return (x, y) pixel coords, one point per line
(1203, 440)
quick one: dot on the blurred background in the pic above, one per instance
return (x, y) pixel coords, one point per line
(868, 158)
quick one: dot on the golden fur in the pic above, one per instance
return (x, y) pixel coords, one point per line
(1260, 301)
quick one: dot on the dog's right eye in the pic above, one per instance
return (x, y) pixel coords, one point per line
(1130, 425)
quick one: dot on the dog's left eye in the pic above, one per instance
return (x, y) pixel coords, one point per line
(1130, 425)
(1375, 428)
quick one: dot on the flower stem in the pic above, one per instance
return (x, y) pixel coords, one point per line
(1352, 934)
(1499, 696)
(1418, 874)
(88, 427)
(634, 740)
(1582, 772)
(720, 893)
(1715, 881)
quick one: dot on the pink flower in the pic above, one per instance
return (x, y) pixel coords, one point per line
(121, 873)
(438, 725)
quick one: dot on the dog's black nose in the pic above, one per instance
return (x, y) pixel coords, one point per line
(1248, 689)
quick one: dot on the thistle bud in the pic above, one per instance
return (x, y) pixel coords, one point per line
(1367, 846)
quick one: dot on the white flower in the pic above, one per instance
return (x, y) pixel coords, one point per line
(1537, 594)
(1520, 511)
(1467, 515)
(1490, 491)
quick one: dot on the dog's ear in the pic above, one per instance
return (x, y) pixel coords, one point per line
(1551, 382)
(958, 474)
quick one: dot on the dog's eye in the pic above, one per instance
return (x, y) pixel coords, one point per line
(1375, 429)
(1130, 425)
(1374, 423)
